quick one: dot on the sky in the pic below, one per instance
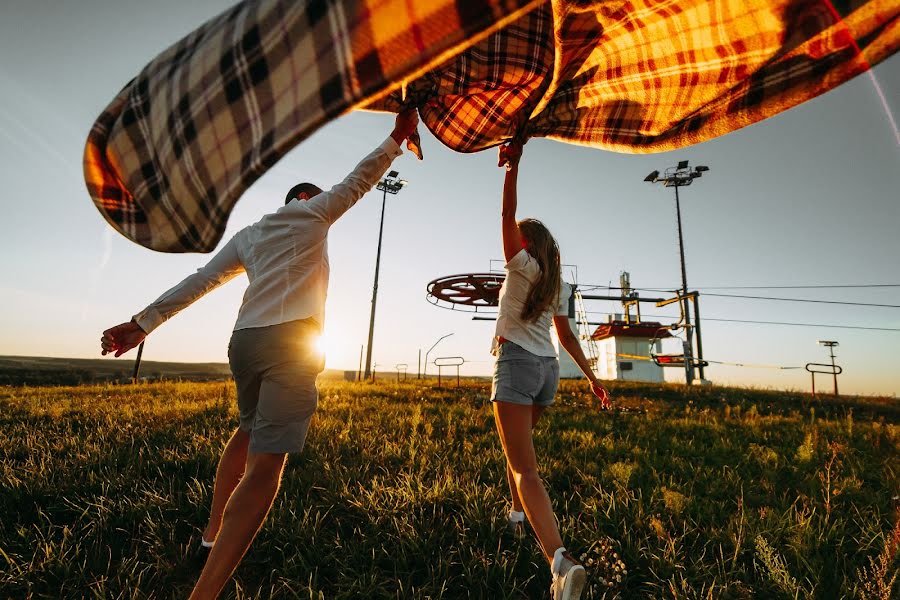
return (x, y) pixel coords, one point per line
(808, 197)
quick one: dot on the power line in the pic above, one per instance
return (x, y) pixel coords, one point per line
(803, 300)
(829, 326)
(798, 287)
(826, 325)
(842, 302)
(750, 365)
(584, 287)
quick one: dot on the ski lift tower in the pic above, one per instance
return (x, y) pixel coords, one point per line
(676, 177)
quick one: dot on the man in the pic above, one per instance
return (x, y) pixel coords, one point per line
(271, 351)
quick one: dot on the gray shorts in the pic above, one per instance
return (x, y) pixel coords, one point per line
(521, 377)
(275, 371)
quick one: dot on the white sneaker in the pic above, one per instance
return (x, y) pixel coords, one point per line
(569, 582)
(516, 528)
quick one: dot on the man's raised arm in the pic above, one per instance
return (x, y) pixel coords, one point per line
(335, 202)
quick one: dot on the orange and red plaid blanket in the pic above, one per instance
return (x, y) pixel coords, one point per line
(167, 160)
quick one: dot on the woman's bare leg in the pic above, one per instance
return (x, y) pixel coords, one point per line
(514, 423)
(536, 412)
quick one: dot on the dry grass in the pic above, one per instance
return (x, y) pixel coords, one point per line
(400, 493)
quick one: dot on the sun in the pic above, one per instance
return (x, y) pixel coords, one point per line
(321, 344)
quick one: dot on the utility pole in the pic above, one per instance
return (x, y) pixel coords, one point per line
(679, 176)
(830, 344)
(137, 364)
(389, 185)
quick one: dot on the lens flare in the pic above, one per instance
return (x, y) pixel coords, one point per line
(875, 83)
(321, 344)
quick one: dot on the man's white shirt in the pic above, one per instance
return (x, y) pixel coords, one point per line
(285, 256)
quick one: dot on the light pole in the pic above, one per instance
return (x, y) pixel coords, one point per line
(389, 185)
(425, 366)
(830, 344)
(678, 176)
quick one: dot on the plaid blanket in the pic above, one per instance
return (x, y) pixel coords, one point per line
(169, 157)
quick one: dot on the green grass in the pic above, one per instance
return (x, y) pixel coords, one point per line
(400, 493)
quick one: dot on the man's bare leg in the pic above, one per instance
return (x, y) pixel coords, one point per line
(244, 514)
(232, 465)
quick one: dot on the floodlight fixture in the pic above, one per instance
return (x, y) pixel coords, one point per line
(682, 164)
(701, 168)
(392, 174)
(652, 176)
(402, 182)
(830, 343)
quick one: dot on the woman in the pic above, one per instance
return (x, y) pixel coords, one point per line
(526, 373)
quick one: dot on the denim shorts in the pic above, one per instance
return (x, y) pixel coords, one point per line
(521, 377)
(275, 370)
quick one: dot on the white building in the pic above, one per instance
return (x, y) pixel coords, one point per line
(623, 352)
(567, 367)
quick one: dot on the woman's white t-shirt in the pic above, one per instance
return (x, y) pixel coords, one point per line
(521, 273)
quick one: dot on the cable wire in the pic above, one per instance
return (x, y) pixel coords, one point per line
(826, 325)
(798, 287)
(803, 300)
(585, 287)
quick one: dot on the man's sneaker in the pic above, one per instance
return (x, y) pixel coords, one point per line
(569, 582)
(196, 557)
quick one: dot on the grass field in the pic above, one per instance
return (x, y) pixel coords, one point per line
(400, 493)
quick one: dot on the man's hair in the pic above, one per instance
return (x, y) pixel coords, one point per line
(300, 188)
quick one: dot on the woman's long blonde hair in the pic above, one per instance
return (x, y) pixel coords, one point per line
(541, 245)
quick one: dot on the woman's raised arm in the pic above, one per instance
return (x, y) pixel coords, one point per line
(512, 237)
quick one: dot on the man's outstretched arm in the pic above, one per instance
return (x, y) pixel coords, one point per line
(335, 202)
(224, 266)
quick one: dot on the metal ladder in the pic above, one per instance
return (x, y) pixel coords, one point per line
(584, 331)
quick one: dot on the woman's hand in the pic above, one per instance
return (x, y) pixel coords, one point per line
(405, 125)
(600, 392)
(510, 155)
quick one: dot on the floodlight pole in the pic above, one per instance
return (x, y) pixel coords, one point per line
(689, 360)
(390, 184)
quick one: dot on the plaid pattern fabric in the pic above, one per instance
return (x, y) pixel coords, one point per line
(169, 157)
(649, 75)
(167, 160)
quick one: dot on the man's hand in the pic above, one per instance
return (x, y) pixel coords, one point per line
(601, 393)
(122, 338)
(510, 155)
(405, 125)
